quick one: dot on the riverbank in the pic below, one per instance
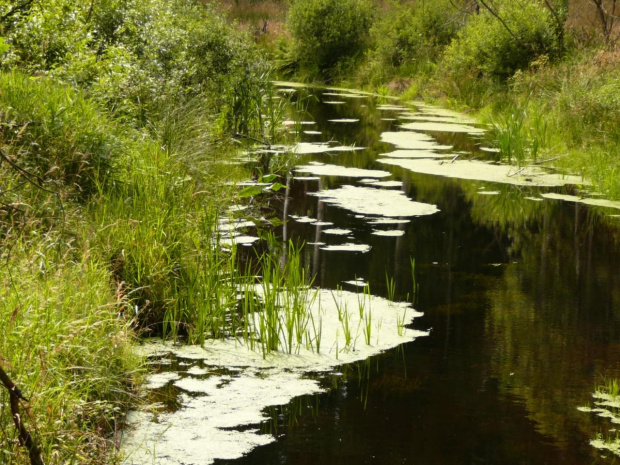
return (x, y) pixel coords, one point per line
(543, 76)
(117, 161)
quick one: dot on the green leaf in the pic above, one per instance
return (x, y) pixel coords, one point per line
(269, 178)
(3, 47)
(251, 191)
(276, 186)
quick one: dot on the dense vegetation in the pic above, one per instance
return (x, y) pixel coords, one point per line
(114, 121)
(544, 74)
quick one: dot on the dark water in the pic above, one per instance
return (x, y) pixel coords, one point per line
(522, 302)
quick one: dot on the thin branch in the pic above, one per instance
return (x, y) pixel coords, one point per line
(555, 13)
(15, 10)
(25, 439)
(239, 135)
(515, 173)
(514, 36)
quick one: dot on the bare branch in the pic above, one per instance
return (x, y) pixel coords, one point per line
(25, 439)
(499, 18)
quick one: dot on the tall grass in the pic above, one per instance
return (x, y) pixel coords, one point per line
(278, 311)
(65, 346)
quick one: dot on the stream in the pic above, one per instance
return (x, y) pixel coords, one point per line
(512, 275)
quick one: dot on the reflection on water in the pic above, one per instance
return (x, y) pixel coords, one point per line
(520, 293)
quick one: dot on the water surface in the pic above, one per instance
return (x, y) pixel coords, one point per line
(519, 292)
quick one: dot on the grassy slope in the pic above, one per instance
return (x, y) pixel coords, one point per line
(108, 221)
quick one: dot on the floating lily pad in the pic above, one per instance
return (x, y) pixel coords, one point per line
(348, 247)
(585, 201)
(481, 171)
(306, 148)
(344, 120)
(393, 233)
(303, 219)
(442, 127)
(370, 201)
(389, 221)
(335, 170)
(490, 149)
(386, 107)
(337, 231)
(295, 123)
(416, 154)
(412, 140)
(345, 94)
(376, 183)
(238, 240)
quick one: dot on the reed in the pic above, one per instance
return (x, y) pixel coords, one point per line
(278, 310)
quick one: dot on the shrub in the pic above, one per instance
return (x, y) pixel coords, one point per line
(134, 56)
(408, 32)
(497, 48)
(326, 31)
(56, 133)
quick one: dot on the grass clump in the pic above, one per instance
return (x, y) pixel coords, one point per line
(65, 347)
(55, 133)
(277, 313)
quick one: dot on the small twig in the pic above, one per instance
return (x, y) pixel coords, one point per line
(454, 159)
(245, 136)
(25, 439)
(515, 173)
(499, 18)
(540, 162)
(15, 9)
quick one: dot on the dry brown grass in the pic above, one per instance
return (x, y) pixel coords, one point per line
(584, 19)
(264, 19)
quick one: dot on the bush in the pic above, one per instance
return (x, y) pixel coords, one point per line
(57, 134)
(133, 56)
(326, 31)
(409, 32)
(497, 48)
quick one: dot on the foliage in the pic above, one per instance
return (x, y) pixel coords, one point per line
(327, 31)
(111, 188)
(413, 31)
(65, 348)
(136, 57)
(57, 134)
(499, 44)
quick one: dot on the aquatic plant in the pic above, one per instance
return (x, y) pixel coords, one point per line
(415, 287)
(391, 287)
(607, 405)
(277, 311)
